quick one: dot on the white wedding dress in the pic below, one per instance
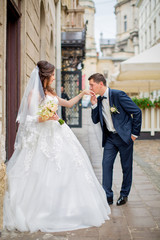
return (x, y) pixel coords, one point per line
(51, 184)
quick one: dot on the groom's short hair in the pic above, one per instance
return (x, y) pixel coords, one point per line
(98, 77)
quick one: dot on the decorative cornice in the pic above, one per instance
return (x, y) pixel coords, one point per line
(121, 3)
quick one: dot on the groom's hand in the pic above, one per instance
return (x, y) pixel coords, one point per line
(133, 138)
(93, 99)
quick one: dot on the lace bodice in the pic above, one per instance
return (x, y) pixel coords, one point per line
(54, 98)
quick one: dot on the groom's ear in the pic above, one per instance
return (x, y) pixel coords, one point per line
(101, 84)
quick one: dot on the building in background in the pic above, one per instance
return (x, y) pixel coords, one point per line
(149, 23)
(127, 27)
(140, 75)
(107, 61)
(115, 51)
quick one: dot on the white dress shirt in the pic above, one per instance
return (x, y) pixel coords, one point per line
(106, 111)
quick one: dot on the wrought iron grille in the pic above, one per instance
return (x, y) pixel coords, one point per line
(72, 83)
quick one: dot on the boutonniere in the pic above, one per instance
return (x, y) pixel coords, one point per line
(114, 109)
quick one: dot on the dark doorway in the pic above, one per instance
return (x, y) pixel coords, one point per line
(12, 74)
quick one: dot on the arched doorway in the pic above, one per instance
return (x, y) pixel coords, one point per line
(42, 33)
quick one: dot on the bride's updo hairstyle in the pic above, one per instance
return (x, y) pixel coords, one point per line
(45, 71)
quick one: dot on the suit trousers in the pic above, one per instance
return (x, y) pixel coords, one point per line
(113, 145)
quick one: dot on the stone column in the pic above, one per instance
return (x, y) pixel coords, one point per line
(58, 51)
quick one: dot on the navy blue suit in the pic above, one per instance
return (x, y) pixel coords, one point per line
(126, 122)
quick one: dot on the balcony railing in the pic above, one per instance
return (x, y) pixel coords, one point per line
(74, 21)
(151, 120)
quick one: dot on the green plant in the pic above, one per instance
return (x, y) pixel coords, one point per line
(143, 102)
(157, 103)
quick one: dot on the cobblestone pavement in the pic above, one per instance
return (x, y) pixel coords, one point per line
(139, 219)
(147, 155)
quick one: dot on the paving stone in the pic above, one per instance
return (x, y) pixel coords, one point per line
(150, 235)
(155, 211)
(115, 229)
(136, 212)
(135, 222)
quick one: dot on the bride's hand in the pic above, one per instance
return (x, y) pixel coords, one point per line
(88, 92)
(54, 117)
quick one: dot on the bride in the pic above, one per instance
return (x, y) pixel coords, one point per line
(51, 183)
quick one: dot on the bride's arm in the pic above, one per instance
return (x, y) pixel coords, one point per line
(74, 100)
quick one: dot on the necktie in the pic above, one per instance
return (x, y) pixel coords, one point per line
(103, 97)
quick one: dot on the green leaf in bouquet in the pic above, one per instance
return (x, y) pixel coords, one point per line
(61, 121)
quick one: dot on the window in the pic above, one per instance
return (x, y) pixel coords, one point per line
(141, 44)
(150, 6)
(145, 13)
(150, 34)
(145, 40)
(125, 23)
(159, 21)
(154, 29)
(105, 73)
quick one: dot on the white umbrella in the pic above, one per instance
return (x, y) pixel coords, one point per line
(148, 60)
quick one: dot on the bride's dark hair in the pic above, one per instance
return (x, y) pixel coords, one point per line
(45, 71)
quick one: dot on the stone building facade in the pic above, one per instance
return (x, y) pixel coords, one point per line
(149, 23)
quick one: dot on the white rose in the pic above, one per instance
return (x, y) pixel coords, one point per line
(113, 109)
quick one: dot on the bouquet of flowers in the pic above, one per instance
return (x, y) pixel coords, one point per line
(48, 110)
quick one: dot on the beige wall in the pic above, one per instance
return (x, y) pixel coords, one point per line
(40, 19)
(106, 67)
(90, 67)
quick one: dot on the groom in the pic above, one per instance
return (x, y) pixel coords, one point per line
(120, 120)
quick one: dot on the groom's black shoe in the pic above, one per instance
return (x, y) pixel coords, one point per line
(110, 200)
(122, 200)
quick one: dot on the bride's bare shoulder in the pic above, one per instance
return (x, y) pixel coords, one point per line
(49, 94)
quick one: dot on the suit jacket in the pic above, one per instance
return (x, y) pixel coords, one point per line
(126, 122)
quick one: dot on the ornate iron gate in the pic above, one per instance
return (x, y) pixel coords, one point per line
(72, 82)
